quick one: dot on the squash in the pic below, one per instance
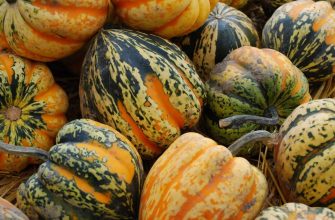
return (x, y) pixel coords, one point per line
(32, 108)
(304, 153)
(296, 211)
(195, 178)
(248, 84)
(225, 29)
(304, 31)
(49, 30)
(93, 172)
(166, 18)
(142, 85)
(235, 3)
(9, 212)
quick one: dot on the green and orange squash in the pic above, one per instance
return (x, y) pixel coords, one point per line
(142, 85)
(305, 32)
(32, 108)
(49, 30)
(296, 211)
(225, 29)
(166, 18)
(251, 88)
(92, 172)
(10, 212)
(195, 178)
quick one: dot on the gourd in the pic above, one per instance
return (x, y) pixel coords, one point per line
(9, 212)
(143, 86)
(92, 172)
(235, 3)
(32, 108)
(225, 29)
(296, 211)
(304, 31)
(304, 153)
(166, 18)
(195, 178)
(49, 30)
(250, 89)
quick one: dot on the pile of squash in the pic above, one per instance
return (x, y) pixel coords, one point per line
(177, 98)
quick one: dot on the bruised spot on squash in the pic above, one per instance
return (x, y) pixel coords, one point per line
(137, 131)
(6, 63)
(83, 185)
(297, 9)
(155, 91)
(117, 160)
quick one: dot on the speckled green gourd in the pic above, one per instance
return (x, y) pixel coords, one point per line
(251, 81)
(93, 172)
(142, 85)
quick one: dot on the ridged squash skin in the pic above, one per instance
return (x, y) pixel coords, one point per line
(195, 178)
(296, 211)
(251, 81)
(10, 212)
(142, 85)
(93, 172)
(32, 108)
(225, 29)
(305, 32)
(49, 30)
(166, 18)
(305, 155)
(235, 3)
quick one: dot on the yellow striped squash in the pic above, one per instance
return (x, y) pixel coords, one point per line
(305, 32)
(225, 29)
(32, 108)
(305, 155)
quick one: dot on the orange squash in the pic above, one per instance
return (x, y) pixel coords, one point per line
(166, 18)
(32, 107)
(49, 30)
(195, 178)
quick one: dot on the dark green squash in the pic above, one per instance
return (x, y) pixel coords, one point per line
(93, 172)
(142, 85)
(250, 89)
(225, 29)
(305, 32)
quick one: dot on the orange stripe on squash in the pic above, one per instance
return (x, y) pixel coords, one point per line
(7, 62)
(118, 160)
(296, 10)
(155, 90)
(136, 130)
(83, 185)
(128, 4)
(330, 196)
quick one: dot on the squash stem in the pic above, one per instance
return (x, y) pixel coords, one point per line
(240, 119)
(255, 136)
(24, 151)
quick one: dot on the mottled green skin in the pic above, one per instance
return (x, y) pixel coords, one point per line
(116, 72)
(296, 211)
(50, 194)
(225, 29)
(250, 81)
(297, 30)
(305, 155)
